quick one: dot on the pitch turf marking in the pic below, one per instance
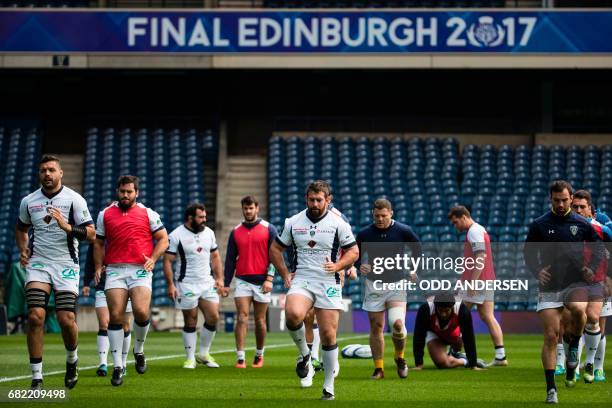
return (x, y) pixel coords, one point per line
(272, 346)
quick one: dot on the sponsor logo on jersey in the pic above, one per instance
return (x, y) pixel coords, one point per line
(70, 274)
(312, 243)
(574, 229)
(332, 292)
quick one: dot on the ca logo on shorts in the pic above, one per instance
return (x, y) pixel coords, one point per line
(332, 292)
(70, 274)
(112, 274)
(141, 273)
(38, 265)
(188, 294)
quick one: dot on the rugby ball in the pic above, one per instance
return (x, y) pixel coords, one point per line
(356, 351)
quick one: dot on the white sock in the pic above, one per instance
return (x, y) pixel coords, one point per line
(500, 353)
(207, 335)
(36, 368)
(580, 347)
(591, 341)
(299, 338)
(259, 352)
(115, 339)
(126, 347)
(330, 359)
(140, 332)
(240, 355)
(601, 353)
(560, 355)
(316, 341)
(72, 355)
(190, 338)
(102, 341)
(465, 361)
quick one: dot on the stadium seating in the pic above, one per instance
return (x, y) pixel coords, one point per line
(505, 187)
(168, 163)
(19, 154)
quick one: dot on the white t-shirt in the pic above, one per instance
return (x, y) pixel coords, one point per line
(49, 241)
(192, 254)
(314, 240)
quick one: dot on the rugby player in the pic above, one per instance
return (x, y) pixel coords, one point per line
(554, 252)
(124, 250)
(317, 235)
(192, 286)
(248, 259)
(59, 218)
(385, 229)
(478, 247)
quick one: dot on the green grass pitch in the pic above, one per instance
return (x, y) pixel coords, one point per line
(166, 383)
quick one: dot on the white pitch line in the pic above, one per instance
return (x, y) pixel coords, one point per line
(273, 346)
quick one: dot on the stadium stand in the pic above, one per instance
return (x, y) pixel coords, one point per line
(19, 154)
(506, 187)
(170, 167)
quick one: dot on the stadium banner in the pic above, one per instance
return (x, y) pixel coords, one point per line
(279, 32)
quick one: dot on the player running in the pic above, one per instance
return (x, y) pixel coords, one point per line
(554, 252)
(398, 237)
(193, 286)
(124, 249)
(316, 235)
(248, 257)
(104, 317)
(593, 332)
(59, 218)
(441, 323)
(478, 247)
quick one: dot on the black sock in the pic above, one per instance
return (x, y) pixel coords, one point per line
(574, 341)
(550, 379)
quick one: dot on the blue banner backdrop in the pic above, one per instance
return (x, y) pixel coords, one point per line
(366, 31)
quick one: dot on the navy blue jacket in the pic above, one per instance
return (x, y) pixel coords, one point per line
(559, 241)
(397, 233)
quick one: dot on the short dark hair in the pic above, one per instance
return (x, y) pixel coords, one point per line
(558, 186)
(444, 299)
(127, 179)
(458, 212)
(49, 158)
(192, 209)
(585, 195)
(381, 204)
(249, 200)
(319, 186)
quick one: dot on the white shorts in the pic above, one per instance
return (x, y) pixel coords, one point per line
(607, 308)
(101, 301)
(555, 300)
(480, 296)
(376, 300)
(62, 277)
(127, 276)
(189, 294)
(246, 289)
(324, 295)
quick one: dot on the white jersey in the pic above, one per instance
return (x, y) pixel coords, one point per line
(193, 254)
(48, 240)
(315, 240)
